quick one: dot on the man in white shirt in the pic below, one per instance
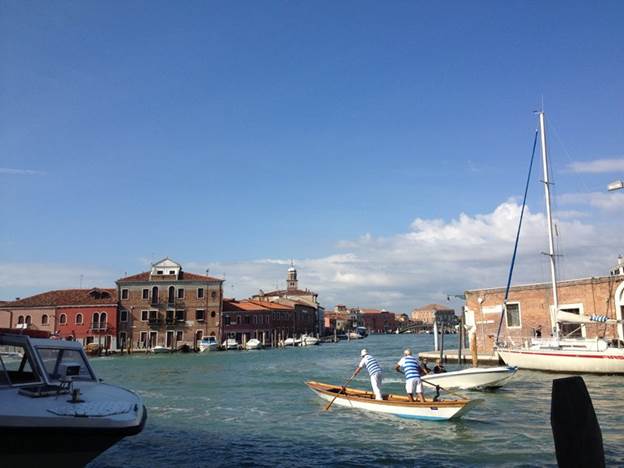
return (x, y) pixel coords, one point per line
(374, 370)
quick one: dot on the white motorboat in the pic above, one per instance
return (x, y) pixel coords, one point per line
(292, 342)
(397, 405)
(480, 378)
(253, 344)
(208, 343)
(560, 353)
(230, 344)
(309, 340)
(160, 349)
(53, 409)
(354, 336)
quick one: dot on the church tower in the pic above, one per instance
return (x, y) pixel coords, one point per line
(291, 279)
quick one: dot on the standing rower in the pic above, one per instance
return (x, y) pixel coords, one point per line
(410, 367)
(374, 370)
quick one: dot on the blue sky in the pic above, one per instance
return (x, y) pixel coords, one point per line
(238, 135)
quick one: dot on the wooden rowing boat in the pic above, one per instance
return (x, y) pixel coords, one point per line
(397, 405)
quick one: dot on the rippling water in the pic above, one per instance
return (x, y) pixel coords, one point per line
(252, 408)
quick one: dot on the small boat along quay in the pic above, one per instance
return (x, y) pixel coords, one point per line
(253, 408)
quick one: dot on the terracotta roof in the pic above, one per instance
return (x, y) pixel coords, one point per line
(271, 305)
(289, 292)
(184, 276)
(232, 305)
(67, 297)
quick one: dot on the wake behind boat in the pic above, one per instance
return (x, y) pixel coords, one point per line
(397, 405)
(480, 378)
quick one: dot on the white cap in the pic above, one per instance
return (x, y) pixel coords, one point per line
(363, 352)
(407, 352)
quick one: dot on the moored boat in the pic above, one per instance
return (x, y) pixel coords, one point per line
(292, 342)
(309, 340)
(397, 405)
(230, 344)
(480, 378)
(208, 343)
(253, 344)
(160, 349)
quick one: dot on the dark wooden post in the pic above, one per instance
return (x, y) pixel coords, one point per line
(578, 439)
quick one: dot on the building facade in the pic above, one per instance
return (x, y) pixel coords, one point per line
(168, 307)
(430, 313)
(529, 309)
(85, 315)
(379, 321)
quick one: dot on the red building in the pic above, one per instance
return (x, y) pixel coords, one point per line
(244, 320)
(379, 321)
(86, 315)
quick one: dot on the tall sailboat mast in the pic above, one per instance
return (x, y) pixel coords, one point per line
(551, 241)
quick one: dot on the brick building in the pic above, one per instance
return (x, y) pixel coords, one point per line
(428, 314)
(379, 321)
(301, 296)
(86, 315)
(169, 307)
(244, 320)
(530, 307)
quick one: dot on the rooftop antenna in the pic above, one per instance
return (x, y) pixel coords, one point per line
(81, 277)
(207, 271)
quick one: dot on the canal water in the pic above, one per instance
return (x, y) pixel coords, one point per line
(252, 408)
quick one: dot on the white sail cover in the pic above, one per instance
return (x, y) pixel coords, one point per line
(568, 317)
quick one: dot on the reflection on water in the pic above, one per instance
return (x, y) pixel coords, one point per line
(252, 408)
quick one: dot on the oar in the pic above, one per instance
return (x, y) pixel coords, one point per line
(444, 389)
(341, 388)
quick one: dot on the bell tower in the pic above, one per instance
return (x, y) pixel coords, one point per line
(291, 278)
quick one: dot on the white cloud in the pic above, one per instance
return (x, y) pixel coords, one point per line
(8, 171)
(597, 166)
(433, 258)
(605, 201)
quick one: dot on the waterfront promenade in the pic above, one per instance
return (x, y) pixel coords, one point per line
(252, 408)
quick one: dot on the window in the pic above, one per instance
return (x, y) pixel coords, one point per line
(155, 295)
(170, 316)
(63, 319)
(145, 293)
(226, 320)
(143, 339)
(79, 319)
(247, 319)
(179, 335)
(144, 315)
(44, 319)
(181, 293)
(20, 320)
(213, 314)
(200, 315)
(123, 315)
(103, 320)
(153, 315)
(28, 320)
(200, 293)
(124, 294)
(170, 295)
(213, 294)
(179, 314)
(172, 272)
(571, 330)
(159, 272)
(513, 315)
(58, 362)
(96, 321)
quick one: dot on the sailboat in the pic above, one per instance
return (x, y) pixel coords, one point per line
(561, 353)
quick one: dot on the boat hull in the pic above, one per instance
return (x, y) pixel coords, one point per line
(480, 378)
(557, 360)
(396, 405)
(60, 446)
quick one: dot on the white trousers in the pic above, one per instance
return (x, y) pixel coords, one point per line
(376, 384)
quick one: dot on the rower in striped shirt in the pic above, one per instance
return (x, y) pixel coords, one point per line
(374, 370)
(410, 367)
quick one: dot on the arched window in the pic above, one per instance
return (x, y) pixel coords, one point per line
(63, 319)
(20, 319)
(212, 333)
(103, 320)
(28, 319)
(155, 295)
(79, 319)
(213, 314)
(199, 334)
(96, 321)
(171, 295)
(44, 319)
